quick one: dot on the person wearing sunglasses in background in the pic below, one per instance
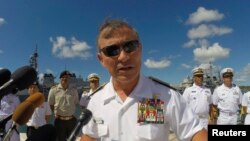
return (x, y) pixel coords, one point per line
(227, 99)
(93, 79)
(132, 107)
(199, 97)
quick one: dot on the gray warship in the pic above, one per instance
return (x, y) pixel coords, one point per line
(211, 79)
(47, 80)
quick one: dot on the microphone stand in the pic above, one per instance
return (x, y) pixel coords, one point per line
(3, 123)
(10, 132)
(84, 118)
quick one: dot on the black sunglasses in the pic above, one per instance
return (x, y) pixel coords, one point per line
(114, 50)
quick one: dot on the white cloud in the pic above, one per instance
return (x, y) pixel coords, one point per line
(163, 63)
(189, 44)
(186, 66)
(205, 31)
(1, 51)
(244, 75)
(210, 54)
(204, 15)
(2, 21)
(72, 48)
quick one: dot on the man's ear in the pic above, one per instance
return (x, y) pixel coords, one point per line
(99, 56)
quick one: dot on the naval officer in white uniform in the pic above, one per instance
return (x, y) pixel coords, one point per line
(246, 108)
(199, 97)
(227, 99)
(93, 79)
(132, 107)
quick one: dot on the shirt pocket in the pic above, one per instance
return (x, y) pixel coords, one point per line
(102, 130)
(150, 131)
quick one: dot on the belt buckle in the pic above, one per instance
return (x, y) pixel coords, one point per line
(65, 118)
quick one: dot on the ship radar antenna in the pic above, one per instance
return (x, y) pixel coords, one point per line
(34, 60)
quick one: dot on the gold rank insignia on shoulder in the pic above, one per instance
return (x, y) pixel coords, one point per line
(162, 82)
(151, 110)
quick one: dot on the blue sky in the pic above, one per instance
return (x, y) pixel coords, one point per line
(176, 35)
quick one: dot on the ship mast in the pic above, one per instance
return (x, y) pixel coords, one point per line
(34, 60)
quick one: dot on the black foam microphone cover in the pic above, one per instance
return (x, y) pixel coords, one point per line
(24, 76)
(4, 76)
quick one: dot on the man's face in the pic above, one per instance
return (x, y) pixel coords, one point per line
(65, 80)
(93, 84)
(198, 79)
(124, 67)
(228, 79)
(33, 89)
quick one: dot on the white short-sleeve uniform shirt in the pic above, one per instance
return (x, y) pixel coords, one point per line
(246, 102)
(228, 101)
(38, 117)
(85, 98)
(199, 98)
(115, 120)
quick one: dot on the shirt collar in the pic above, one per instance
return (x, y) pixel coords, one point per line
(139, 90)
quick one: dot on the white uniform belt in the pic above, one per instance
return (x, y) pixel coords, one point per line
(228, 113)
(203, 116)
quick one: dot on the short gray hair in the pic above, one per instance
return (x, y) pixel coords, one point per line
(110, 25)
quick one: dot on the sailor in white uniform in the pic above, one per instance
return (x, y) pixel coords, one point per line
(132, 107)
(8, 105)
(93, 79)
(246, 108)
(199, 97)
(227, 98)
(41, 114)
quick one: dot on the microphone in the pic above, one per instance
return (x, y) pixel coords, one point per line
(24, 111)
(4, 76)
(46, 132)
(36, 99)
(84, 118)
(20, 79)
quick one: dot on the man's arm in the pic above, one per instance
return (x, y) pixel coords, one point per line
(201, 135)
(214, 113)
(87, 138)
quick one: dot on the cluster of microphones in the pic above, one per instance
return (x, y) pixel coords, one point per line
(20, 80)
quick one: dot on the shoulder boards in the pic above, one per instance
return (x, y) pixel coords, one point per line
(54, 86)
(162, 83)
(98, 89)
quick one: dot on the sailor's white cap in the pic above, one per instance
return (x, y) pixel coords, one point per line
(227, 71)
(93, 76)
(197, 71)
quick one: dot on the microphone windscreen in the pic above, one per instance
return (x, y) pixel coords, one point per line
(23, 112)
(36, 99)
(85, 116)
(24, 76)
(4, 76)
(44, 133)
